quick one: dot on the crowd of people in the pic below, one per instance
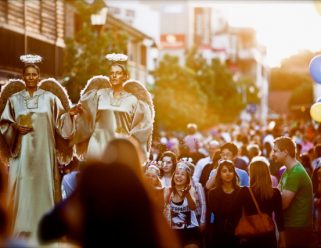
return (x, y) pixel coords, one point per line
(279, 162)
(125, 184)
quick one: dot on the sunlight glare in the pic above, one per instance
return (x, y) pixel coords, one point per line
(284, 28)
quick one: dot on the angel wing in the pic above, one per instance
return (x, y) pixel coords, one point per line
(63, 149)
(96, 82)
(12, 87)
(139, 90)
(52, 85)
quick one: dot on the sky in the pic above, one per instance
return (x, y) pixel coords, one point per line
(284, 27)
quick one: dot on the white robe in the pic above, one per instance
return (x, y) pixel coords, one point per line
(33, 171)
(105, 117)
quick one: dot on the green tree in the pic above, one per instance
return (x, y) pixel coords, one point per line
(223, 94)
(197, 92)
(302, 96)
(85, 52)
(178, 98)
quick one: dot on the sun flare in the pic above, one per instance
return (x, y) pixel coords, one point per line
(285, 28)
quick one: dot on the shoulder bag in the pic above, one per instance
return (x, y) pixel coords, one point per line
(254, 225)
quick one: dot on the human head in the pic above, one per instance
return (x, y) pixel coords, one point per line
(117, 75)
(253, 150)
(181, 176)
(30, 71)
(124, 151)
(259, 172)
(284, 147)
(169, 161)
(229, 151)
(118, 72)
(317, 151)
(306, 162)
(152, 175)
(225, 172)
(31, 75)
(212, 147)
(30, 65)
(114, 196)
(189, 163)
(191, 128)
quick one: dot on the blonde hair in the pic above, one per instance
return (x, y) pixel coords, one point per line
(260, 177)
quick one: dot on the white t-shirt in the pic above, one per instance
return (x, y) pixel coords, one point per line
(181, 216)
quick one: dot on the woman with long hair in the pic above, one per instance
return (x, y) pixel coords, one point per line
(268, 199)
(181, 206)
(222, 206)
(111, 206)
(153, 182)
(169, 161)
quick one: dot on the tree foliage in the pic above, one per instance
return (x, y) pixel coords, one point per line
(178, 98)
(200, 92)
(85, 52)
(281, 79)
(293, 76)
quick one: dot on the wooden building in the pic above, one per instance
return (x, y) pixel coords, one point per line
(40, 27)
(31, 27)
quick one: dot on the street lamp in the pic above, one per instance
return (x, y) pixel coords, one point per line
(98, 20)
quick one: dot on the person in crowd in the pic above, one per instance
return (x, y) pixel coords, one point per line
(297, 197)
(35, 124)
(253, 151)
(4, 211)
(317, 156)
(244, 155)
(213, 146)
(111, 200)
(200, 197)
(180, 207)
(127, 151)
(6, 238)
(110, 107)
(267, 149)
(169, 161)
(152, 177)
(223, 208)
(269, 201)
(208, 168)
(306, 162)
(69, 180)
(193, 138)
(316, 181)
(229, 152)
(110, 206)
(183, 150)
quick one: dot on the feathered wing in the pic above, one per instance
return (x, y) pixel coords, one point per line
(63, 148)
(10, 88)
(88, 99)
(139, 90)
(96, 83)
(52, 85)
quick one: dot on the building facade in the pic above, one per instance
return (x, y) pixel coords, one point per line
(40, 27)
